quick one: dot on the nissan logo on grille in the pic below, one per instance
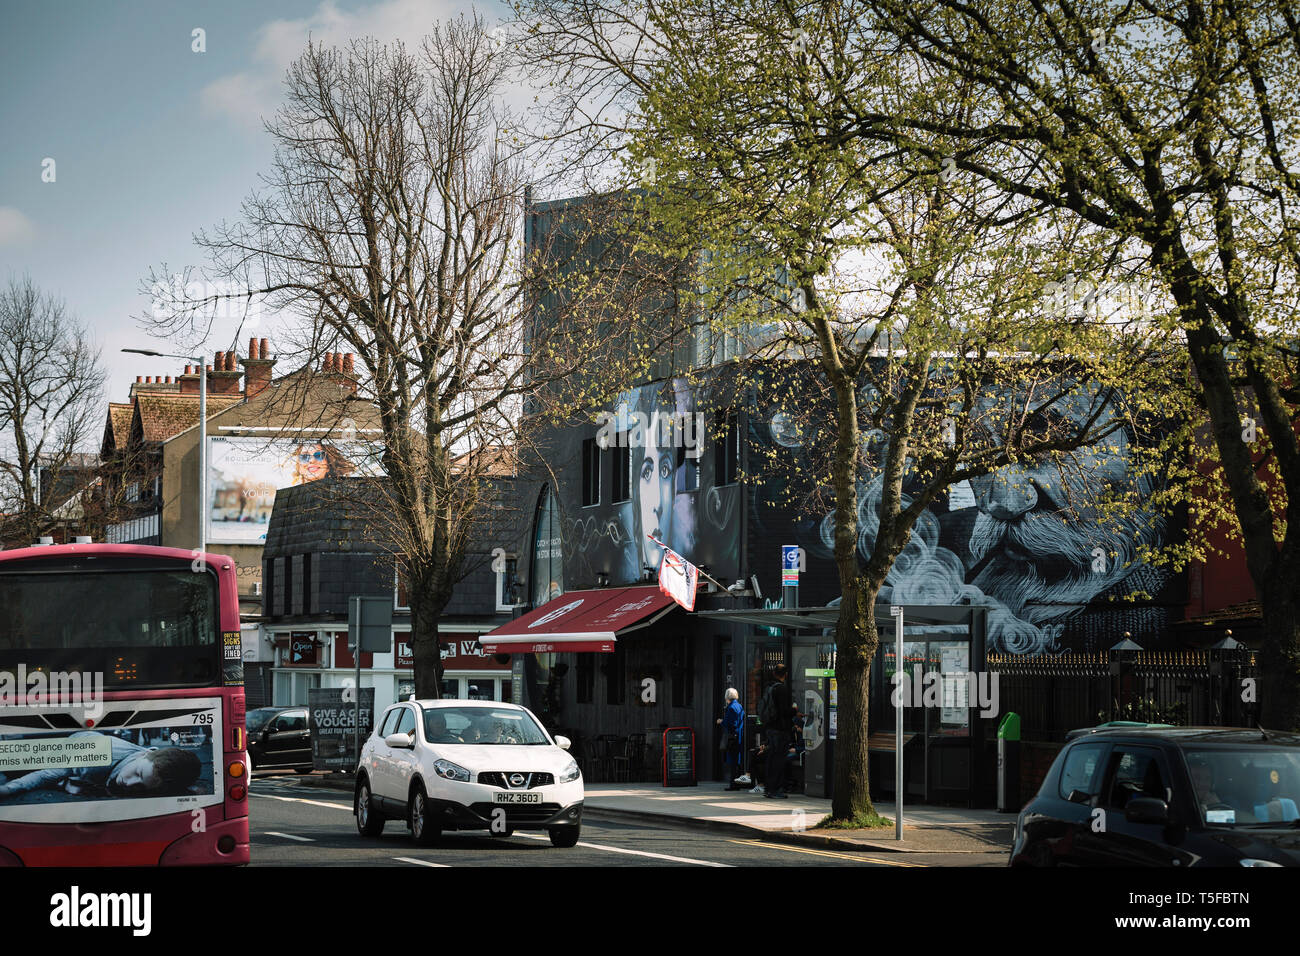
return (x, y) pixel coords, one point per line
(517, 779)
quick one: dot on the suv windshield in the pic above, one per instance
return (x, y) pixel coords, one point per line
(481, 725)
(1255, 786)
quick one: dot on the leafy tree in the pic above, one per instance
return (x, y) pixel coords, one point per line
(1165, 129)
(912, 300)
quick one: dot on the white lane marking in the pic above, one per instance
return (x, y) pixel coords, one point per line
(290, 836)
(619, 849)
(314, 803)
(411, 859)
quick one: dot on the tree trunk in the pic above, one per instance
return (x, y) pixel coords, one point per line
(856, 640)
(427, 605)
(855, 632)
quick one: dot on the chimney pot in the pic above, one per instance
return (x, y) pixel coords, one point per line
(231, 361)
(252, 349)
(264, 349)
(209, 368)
(329, 362)
(348, 365)
(139, 379)
(169, 380)
(189, 370)
(219, 360)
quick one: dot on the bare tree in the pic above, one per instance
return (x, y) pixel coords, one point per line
(50, 386)
(390, 225)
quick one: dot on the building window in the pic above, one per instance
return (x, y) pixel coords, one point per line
(586, 678)
(614, 667)
(590, 473)
(508, 596)
(726, 453)
(306, 584)
(548, 565)
(287, 571)
(622, 468)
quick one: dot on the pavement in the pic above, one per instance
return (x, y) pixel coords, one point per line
(709, 805)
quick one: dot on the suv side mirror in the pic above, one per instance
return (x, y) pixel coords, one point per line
(564, 743)
(400, 741)
(1079, 796)
(1146, 810)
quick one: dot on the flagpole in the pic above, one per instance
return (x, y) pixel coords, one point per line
(698, 569)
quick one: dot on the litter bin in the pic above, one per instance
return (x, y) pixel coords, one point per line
(1009, 764)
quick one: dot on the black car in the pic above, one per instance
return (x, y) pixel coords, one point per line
(1180, 796)
(278, 739)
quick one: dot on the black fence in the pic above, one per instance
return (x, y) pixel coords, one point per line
(1054, 695)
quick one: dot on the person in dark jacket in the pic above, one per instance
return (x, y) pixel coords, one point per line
(732, 722)
(777, 735)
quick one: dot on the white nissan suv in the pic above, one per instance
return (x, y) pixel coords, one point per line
(467, 765)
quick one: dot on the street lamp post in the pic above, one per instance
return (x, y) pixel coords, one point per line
(203, 429)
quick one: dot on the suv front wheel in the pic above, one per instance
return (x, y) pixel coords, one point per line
(564, 837)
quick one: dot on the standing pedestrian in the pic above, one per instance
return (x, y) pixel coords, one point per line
(777, 733)
(732, 722)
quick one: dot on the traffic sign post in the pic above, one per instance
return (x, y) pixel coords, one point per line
(792, 562)
(370, 628)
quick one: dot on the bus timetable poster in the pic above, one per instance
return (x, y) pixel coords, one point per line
(146, 758)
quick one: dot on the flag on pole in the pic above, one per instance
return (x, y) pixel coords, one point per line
(678, 578)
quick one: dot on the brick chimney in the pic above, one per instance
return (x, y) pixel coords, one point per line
(340, 367)
(224, 377)
(257, 367)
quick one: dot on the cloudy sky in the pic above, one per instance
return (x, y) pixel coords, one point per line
(150, 140)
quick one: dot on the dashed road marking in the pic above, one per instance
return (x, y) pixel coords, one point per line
(619, 849)
(839, 856)
(290, 836)
(314, 803)
(419, 862)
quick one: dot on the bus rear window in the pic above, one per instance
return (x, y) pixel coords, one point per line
(137, 627)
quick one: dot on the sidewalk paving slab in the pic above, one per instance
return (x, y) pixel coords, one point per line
(926, 829)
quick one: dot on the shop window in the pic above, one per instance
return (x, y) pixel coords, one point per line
(683, 672)
(590, 473)
(615, 667)
(586, 678)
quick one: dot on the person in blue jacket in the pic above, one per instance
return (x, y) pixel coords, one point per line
(732, 722)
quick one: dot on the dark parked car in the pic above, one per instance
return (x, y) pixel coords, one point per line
(278, 739)
(1180, 796)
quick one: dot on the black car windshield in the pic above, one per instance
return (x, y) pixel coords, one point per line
(481, 725)
(1259, 785)
(255, 720)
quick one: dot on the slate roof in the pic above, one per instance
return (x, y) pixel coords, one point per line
(164, 416)
(119, 424)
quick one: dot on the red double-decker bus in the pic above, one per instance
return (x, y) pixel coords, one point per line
(121, 708)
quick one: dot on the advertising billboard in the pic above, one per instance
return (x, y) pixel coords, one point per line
(245, 473)
(332, 720)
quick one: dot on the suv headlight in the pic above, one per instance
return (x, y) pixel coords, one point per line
(451, 771)
(1251, 862)
(569, 773)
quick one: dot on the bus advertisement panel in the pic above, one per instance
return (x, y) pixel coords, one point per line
(155, 757)
(121, 708)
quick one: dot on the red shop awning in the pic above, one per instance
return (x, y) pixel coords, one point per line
(579, 621)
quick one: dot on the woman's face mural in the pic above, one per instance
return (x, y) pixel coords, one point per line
(655, 465)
